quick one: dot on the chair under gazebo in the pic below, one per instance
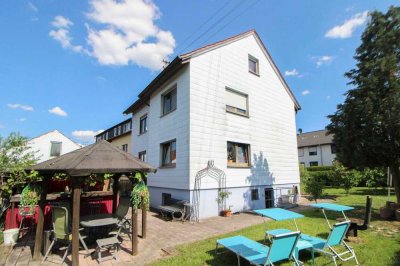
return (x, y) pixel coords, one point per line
(96, 159)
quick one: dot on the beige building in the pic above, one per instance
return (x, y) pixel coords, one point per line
(316, 148)
(119, 135)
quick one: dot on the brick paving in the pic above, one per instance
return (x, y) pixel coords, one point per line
(162, 237)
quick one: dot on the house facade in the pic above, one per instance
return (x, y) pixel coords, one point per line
(316, 148)
(225, 102)
(119, 135)
(51, 144)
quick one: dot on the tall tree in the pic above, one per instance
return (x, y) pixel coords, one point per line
(366, 126)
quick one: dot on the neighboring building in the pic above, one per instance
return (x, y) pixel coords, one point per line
(119, 135)
(316, 148)
(225, 102)
(52, 144)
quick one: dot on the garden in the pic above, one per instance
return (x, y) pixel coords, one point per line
(378, 245)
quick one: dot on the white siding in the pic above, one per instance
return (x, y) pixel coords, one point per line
(324, 155)
(270, 129)
(174, 125)
(41, 145)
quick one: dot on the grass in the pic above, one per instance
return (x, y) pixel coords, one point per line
(379, 245)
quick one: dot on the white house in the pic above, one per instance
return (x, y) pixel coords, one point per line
(51, 144)
(225, 102)
(316, 148)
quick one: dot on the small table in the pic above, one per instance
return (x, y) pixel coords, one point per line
(332, 207)
(279, 214)
(98, 220)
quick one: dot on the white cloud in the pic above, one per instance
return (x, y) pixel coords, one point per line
(328, 97)
(61, 33)
(20, 106)
(2, 126)
(305, 92)
(86, 135)
(32, 7)
(128, 28)
(57, 111)
(323, 60)
(348, 27)
(120, 32)
(101, 78)
(22, 119)
(292, 72)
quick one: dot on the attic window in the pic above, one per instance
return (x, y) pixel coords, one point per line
(55, 149)
(253, 65)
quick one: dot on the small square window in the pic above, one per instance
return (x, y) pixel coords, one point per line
(238, 154)
(168, 154)
(313, 163)
(143, 125)
(142, 156)
(312, 150)
(166, 198)
(236, 102)
(55, 149)
(169, 102)
(253, 65)
(254, 194)
(333, 148)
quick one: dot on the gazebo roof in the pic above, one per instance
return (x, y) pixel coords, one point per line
(99, 158)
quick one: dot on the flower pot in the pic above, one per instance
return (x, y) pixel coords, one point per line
(388, 203)
(386, 213)
(395, 206)
(397, 213)
(226, 213)
(106, 184)
(10, 236)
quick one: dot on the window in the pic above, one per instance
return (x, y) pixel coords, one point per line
(253, 65)
(313, 163)
(169, 102)
(301, 152)
(333, 148)
(142, 156)
(254, 194)
(143, 124)
(236, 102)
(238, 154)
(168, 154)
(125, 147)
(312, 150)
(55, 149)
(115, 131)
(166, 197)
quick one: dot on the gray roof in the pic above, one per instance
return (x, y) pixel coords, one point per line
(314, 138)
(99, 158)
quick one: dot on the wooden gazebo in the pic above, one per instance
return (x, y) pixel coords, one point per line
(99, 158)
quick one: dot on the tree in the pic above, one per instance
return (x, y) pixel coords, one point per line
(366, 126)
(312, 184)
(15, 158)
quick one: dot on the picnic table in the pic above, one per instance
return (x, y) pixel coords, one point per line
(279, 214)
(332, 207)
(97, 220)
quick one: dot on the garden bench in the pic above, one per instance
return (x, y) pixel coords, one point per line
(173, 207)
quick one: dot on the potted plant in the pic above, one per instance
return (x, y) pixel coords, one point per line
(222, 196)
(29, 199)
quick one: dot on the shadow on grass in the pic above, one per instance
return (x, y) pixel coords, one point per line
(396, 261)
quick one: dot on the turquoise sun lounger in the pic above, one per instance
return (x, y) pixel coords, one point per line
(255, 253)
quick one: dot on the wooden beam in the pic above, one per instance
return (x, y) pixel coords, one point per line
(115, 188)
(12, 220)
(135, 239)
(144, 220)
(40, 224)
(76, 205)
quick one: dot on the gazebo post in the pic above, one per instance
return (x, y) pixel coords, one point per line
(76, 202)
(144, 212)
(115, 188)
(135, 239)
(40, 223)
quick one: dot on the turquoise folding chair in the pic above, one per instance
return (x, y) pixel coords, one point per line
(335, 239)
(282, 248)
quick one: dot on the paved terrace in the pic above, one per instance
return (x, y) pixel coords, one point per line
(162, 236)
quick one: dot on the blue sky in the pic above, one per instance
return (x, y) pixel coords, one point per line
(65, 64)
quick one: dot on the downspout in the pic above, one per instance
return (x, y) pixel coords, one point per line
(320, 149)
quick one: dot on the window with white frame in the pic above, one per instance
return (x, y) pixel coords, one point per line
(253, 65)
(55, 149)
(312, 150)
(143, 124)
(169, 101)
(238, 154)
(168, 153)
(142, 156)
(236, 102)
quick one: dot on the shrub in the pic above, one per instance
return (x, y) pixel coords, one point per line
(313, 185)
(374, 177)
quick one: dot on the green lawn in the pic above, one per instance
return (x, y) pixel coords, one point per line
(379, 245)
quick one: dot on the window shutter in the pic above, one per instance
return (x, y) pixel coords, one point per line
(236, 100)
